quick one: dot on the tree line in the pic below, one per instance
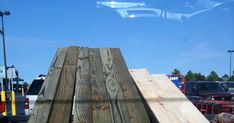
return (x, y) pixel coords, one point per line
(194, 76)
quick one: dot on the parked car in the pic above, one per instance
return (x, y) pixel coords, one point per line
(209, 97)
(32, 94)
(208, 90)
(229, 86)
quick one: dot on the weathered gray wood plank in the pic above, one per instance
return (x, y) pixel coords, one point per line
(46, 95)
(104, 90)
(62, 106)
(118, 107)
(82, 108)
(101, 103)
(133, 110)
(55, 59)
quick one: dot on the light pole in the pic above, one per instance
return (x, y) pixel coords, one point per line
(2, 14)
(230, 51)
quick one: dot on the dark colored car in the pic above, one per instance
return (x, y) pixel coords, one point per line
(229, 86)
(207, 90)
(209, 97)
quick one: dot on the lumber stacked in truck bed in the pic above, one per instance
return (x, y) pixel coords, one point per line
(165, 100)
(87, 85)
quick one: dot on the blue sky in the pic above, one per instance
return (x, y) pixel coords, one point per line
(199, 43)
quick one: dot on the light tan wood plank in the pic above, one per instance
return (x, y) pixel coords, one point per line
(164, 99)
(178, 100)
(154, 98)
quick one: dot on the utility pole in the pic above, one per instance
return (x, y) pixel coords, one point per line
(230, 71)
(2, 14)
(3, 94)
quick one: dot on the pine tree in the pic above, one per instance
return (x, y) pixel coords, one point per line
(176, 72)
(190, 76)
(199, 77)
(213, 76)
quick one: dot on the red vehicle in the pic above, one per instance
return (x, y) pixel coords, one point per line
(209, 97)
(2, 107)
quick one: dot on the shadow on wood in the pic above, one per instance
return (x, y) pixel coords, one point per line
(88, 85)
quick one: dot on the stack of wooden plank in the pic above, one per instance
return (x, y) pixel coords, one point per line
(167, 103)
(87, 85)
(91, 85)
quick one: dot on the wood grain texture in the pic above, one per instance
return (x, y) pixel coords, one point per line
(62, 106)
(154, 98)
(135, 107)
(163, 98)
(118, 107)
(46, 95)
(82, 108)
(126, 104)
(185, 109)
(92, 84)
(170, 99)
(100, 100)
